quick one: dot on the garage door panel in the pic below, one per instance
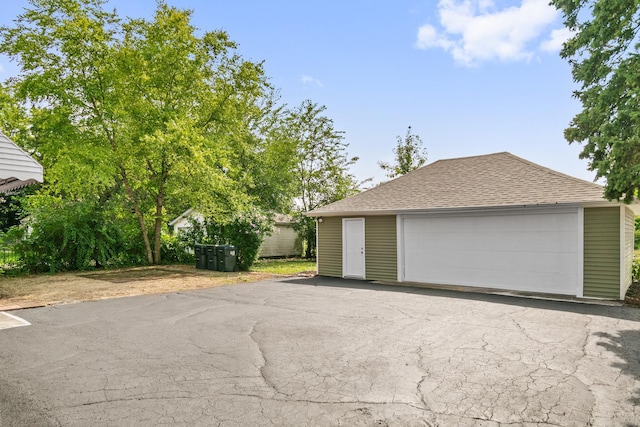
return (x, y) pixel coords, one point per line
(518, 251)
(491, 260)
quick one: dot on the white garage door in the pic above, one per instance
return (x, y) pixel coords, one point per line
(527, 250)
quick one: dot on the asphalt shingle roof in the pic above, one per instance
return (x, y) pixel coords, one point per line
(492, 180)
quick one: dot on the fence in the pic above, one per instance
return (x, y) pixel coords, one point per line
(8, 258)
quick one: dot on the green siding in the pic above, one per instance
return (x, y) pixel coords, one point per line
(602, 252)
(381, 258)
(629, 235)
(330, 247)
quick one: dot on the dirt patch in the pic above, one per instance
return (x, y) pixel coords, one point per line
(633, 295)
(67, 288)
(132, 275)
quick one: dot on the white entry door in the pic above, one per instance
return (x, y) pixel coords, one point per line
(353, 248)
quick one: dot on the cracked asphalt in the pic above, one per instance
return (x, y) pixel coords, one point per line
(322, 352)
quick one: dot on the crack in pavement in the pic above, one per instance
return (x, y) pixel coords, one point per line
(130, 399)
(327, 402)
(263, 365)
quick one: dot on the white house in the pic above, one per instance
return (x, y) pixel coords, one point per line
(17, 168)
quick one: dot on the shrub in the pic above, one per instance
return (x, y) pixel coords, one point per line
(245, 230)
(177, 249)
(635, 269)
(68, 235)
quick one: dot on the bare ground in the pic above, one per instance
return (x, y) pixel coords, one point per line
(65, 288)
(633, 295)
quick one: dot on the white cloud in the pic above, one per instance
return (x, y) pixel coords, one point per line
(556, 40)
(474, 31)
(429, 37)
(311, 80)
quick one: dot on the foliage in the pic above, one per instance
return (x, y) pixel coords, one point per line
(409, 155)
(13, 118)
(635, 270)
(177, 250)
(68, 235)
(147, 113)
(244, 230)
(322, 168)
(605, 60)
(306, 229)
(11, 210)
(266, 164)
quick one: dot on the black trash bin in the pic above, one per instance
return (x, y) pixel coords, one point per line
(227, 258)
(212, 257)
(201, 255)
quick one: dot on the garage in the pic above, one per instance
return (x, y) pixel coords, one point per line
(534, 250)
(494, 221)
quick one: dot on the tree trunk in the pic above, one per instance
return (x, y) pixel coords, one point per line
(157, 227)
(307, 251)
(136, 210)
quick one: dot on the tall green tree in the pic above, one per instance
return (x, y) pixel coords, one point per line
(605, 61)
(409, 155)
(14, 120)
(321, 172)
(147, 111)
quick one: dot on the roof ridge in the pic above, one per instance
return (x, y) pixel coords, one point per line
(469, 157)
(550, 171)
(429, 164)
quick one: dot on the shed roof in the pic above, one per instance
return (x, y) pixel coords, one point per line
(17, 168)
(279, 219)
(492, 180)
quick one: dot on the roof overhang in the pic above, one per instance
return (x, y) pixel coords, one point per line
(315, 214)
(599, 203)
(635, 206)
(182, 216)
(9, 185)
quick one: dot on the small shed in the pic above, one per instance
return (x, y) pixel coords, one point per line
(184, 220)
(493, 221)
(17, 168)
(282, 242)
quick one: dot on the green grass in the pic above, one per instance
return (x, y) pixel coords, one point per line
(284, 266)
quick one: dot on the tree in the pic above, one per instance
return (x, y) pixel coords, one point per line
(144, 112)
(409, 155)
(321, 172)
(12, 211)
(605, 60)
(13, 118)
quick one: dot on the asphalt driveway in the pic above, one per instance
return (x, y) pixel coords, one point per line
(321, 352)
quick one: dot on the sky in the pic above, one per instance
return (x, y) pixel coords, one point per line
(470, 77)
